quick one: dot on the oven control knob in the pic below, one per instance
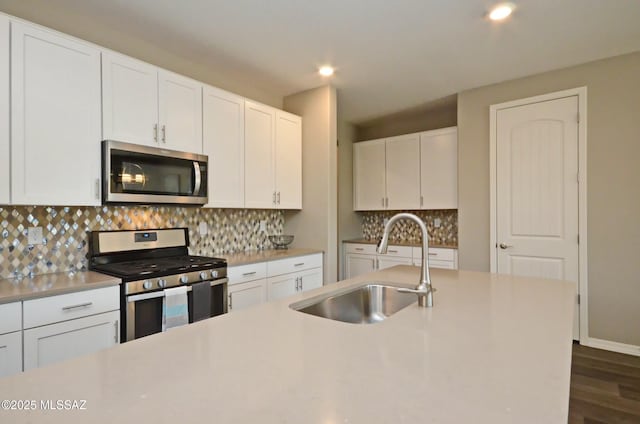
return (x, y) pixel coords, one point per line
(147, 284)
(203, 275)
(162, 283)
(184, 279)
(214, 273)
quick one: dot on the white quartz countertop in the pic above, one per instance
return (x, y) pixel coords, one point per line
(494, 349)
(254, 256)
(13, 290)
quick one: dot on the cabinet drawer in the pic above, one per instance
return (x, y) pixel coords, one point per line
(299, 263)
(437, 264)
(249, 272)
(436, 253)
(10, 317)
(64, 307)
(363, 249)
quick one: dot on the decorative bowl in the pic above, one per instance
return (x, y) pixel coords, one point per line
(281, 241)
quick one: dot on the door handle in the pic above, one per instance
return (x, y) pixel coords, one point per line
(278, 197)
(164, 134)
(505, 246)
(155, 132)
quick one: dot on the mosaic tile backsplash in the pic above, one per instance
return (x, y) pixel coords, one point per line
(407, 231)
(65, 232)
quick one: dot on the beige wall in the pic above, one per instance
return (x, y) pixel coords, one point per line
(315, 226)
(441, 113)
(349, 222)
(228, 76)
(613, 183)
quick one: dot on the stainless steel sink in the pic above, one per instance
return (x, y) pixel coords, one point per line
(366, 304)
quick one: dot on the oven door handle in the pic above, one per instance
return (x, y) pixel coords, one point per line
(198, 178)
(153, 295)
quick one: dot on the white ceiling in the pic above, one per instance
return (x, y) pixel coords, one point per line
(390, 55)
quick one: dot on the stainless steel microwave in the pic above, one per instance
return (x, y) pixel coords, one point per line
(149, 175)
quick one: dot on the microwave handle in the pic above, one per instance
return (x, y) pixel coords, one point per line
(198, 177)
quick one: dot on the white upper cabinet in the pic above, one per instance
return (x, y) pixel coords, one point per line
(180, 105)
(288, 161)
(129, 100)
(439, 168)
(403, 172)
(223, 142)
(369, 175)
(259, 136)
(55, 119)
(4, 112)
(143, 104)
(273, 158)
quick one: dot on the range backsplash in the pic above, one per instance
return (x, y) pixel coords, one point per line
(407, 231)
(65, 232)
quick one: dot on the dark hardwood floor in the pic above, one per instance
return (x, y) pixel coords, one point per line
(605, 387)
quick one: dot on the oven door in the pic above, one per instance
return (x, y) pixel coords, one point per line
(143, 312)
(141, 174)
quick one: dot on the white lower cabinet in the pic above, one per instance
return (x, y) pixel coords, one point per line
(10, 353)
(244, 295)
(363, 258)
(56, 342)
(282, 286)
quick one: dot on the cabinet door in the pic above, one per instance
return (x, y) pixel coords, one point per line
(4, 111)
(288, 161)
(129, 100)
(369, 175)
(403, 172)
(223, 142)
(359, 264)
(282, 286)
(55, 119)
(180, 106)
(10, 353)
(248, 294)
(311, 279)
(259, 134)
(439, 169)
(389, 261)
(57, 342)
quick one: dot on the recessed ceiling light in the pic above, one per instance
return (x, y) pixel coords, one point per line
(501, 11)
(326, 71)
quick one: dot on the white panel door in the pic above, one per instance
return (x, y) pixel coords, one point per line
(55, 119)
(244, 295)
(4, 111)
(223, 143)
(439, 169)
(389, 261)
(311, 279)
(537, 191)
(369, 175)
(403, 172)
(10, 353)
(359, 264)
(129, 100)
(282, 286)
(288, 161)
(180, 112)
(57, 342)
(259, 173)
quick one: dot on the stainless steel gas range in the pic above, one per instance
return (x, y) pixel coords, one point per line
(151, 261)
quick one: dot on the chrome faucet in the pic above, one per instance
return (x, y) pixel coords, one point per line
(424, 290)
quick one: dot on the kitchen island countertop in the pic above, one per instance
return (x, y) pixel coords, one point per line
(494, 349)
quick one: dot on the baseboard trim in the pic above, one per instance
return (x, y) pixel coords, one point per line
(612, 346)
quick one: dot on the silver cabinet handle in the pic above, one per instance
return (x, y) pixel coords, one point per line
(246, 274)
(421, 201)
(299, 264)
(116, 328)
(155, 132)
(505, 246)
(433, 254)
(230, 301)
(387, 203)
(97, 188)
(359, 249)
(278, 197)
(80, 305)
(392, 251)
(164, 134)
(274, 197)
(383, 202)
